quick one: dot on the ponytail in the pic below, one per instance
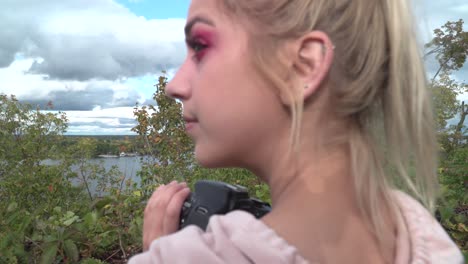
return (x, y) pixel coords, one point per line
(396, 132)
(379, 84)
(408, 114)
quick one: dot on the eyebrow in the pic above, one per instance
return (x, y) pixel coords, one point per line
(193, 21)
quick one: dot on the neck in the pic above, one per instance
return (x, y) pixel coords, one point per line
(314, 175)
(318, 192)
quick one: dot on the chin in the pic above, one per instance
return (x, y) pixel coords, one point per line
(213, 159)
(209, 161)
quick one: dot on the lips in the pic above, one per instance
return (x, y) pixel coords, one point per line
(189, 119)
(189, 122)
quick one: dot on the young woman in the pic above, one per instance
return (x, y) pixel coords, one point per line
(324, 100)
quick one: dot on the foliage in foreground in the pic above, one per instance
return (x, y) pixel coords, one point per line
(453, 205)
(48, 213)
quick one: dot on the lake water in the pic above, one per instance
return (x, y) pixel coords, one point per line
(128, 166)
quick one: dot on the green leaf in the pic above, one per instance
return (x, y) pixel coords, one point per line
(69, 214)
(91, 261)
(57, 209)
(12, 207)
(446, 212)
(50, 238)
(49, 254)
(70, 221)
(91, 218)
(458, 236)
(71, 250)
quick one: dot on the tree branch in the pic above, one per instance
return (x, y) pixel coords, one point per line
(464, 113)
(432, 52)
(438, 71)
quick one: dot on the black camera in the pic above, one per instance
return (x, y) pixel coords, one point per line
(214, 197)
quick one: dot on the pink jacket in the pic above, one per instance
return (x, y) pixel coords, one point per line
(240, 238)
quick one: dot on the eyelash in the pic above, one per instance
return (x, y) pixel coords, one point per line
(196, 46)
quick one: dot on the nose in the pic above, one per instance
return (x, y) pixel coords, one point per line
(179, 87)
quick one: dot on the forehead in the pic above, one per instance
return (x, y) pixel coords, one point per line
(214, 11)
(228, 28)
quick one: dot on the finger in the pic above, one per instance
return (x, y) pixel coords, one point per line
(153, 198)
(163, 197)
(159, 191)
(152, 220)
(154, 215)
(159, 200)
(172, 216)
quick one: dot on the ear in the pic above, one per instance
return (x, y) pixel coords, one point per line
(313, 60)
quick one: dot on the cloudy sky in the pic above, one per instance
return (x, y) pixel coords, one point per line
(95, 59)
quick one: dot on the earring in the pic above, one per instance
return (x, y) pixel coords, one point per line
(324, 48)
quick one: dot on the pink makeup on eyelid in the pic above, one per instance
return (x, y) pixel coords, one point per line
(204, 38)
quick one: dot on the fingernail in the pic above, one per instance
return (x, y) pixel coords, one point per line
(173, 182)
(183, 184)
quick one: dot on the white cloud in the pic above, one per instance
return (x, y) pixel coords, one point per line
(88, 39)
(97, 130)
(109, 113)
(68, 95)
(94, 56)
(111, 121)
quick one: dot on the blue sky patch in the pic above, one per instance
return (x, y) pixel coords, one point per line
(157, 9)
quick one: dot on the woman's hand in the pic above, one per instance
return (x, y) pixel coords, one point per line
(162, 211)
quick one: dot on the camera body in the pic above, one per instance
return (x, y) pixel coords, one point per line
(214, 197)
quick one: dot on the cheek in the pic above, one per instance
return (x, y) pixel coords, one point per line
(231, 112)
(234, 120)
(227, 91)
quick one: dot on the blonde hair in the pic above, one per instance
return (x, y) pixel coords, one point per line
(380, 86)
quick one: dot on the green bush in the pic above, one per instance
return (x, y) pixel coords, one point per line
(453, 205)
(43, 216)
